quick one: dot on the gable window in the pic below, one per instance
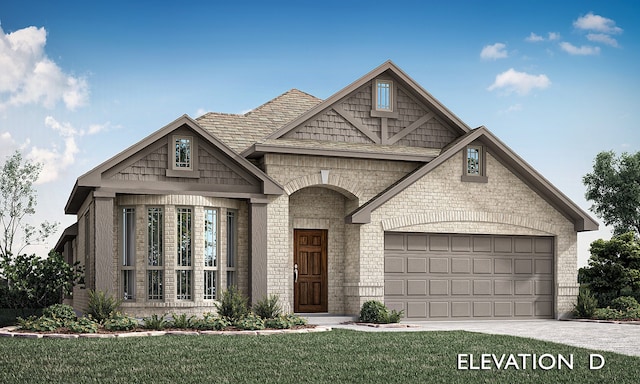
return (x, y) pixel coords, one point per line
(184, 270)
(210, 252)
(473, 167)
(183, 155)
(183, 152)
(383, 99)
(155, 269)
(383, 95)
(128, 272)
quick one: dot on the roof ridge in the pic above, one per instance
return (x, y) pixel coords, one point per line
(262, 106)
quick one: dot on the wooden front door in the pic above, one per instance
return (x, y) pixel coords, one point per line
(310, 270)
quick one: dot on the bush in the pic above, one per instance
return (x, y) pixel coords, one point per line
(268, 308)
(211, 322)
(62, 312)
(155, 322)
(374, 311)
(83, 325)
(624, 303)
(101, 305)
(284, 321)
(39, 324)
(607, 314)
(250, 322)
(120, 322)
(182, 321)
(233, 305)
(586, 304)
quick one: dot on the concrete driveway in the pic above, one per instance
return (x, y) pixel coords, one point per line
(619, 338)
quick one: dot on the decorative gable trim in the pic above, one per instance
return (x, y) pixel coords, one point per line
(99, 178)
(391, 69)
(582, 220)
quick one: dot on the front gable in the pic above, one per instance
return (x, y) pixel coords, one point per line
(412, 119)
(149, 167)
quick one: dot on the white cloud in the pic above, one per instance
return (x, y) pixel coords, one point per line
(97, 128)
(553, 36)
(597, 23)
(28, 76)
(64, 129)
(602, 38)
(493, 52)
(519, 82)
(53, 161)
(534, 38)
(584, 50)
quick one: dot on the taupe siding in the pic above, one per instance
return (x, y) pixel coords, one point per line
(455, 277)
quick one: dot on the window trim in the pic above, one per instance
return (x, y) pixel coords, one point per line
(127, 268)
(149, 269)
(188, 267)
(211, 269)
(392, 112)
(232, 248)
(481, 177)
(192, 171)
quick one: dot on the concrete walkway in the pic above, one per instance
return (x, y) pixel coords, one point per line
(619, 338)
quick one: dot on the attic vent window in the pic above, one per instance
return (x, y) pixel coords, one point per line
(183, 153)
(383, 95)
(473, 161)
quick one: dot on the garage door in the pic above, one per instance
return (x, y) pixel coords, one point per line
(457, 277)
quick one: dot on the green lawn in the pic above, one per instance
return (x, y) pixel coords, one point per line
(339, 356)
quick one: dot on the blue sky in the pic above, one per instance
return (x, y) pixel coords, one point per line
(81, 81)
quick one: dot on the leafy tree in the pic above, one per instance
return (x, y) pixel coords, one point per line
(39, 282)
(614, 268)
(614, 188)
(17, 202)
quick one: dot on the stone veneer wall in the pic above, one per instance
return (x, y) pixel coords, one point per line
(349, 183)
(143, 307)
(441, 202)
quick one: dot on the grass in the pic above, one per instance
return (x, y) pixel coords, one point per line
(339, 356)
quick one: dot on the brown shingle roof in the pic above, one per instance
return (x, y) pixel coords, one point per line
(241, 131)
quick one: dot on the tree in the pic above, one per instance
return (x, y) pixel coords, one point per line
(17, 202)
(614, 268)
(614, 188)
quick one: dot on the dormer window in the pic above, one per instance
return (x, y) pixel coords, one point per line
(383, 99)
(182, 155)
(473, 165)
(183, 152)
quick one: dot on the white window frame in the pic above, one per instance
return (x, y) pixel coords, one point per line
(173, 170)
(391, 111)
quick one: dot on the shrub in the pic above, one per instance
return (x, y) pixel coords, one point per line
(182, 321)
(232, 305)
(39, 324)
(268, 308)
(120, 322)
(624, 303)
(62, 312)
(250, 322)
(607, 314)
(155, 322)
(211, 322)
(374, 311)
(586, 304)
(83, 325)
(101, 305)
(284, 321)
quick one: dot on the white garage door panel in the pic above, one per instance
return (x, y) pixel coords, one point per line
(456, 276)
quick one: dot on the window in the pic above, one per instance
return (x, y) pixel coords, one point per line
(383, 95)
(89, 282)
(183, 152)
(155, 230)
(210, 252)
(128, 272)
(184, 267)
(231, 248)
(473, 164)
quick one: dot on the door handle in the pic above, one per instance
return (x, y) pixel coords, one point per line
(295, 273)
